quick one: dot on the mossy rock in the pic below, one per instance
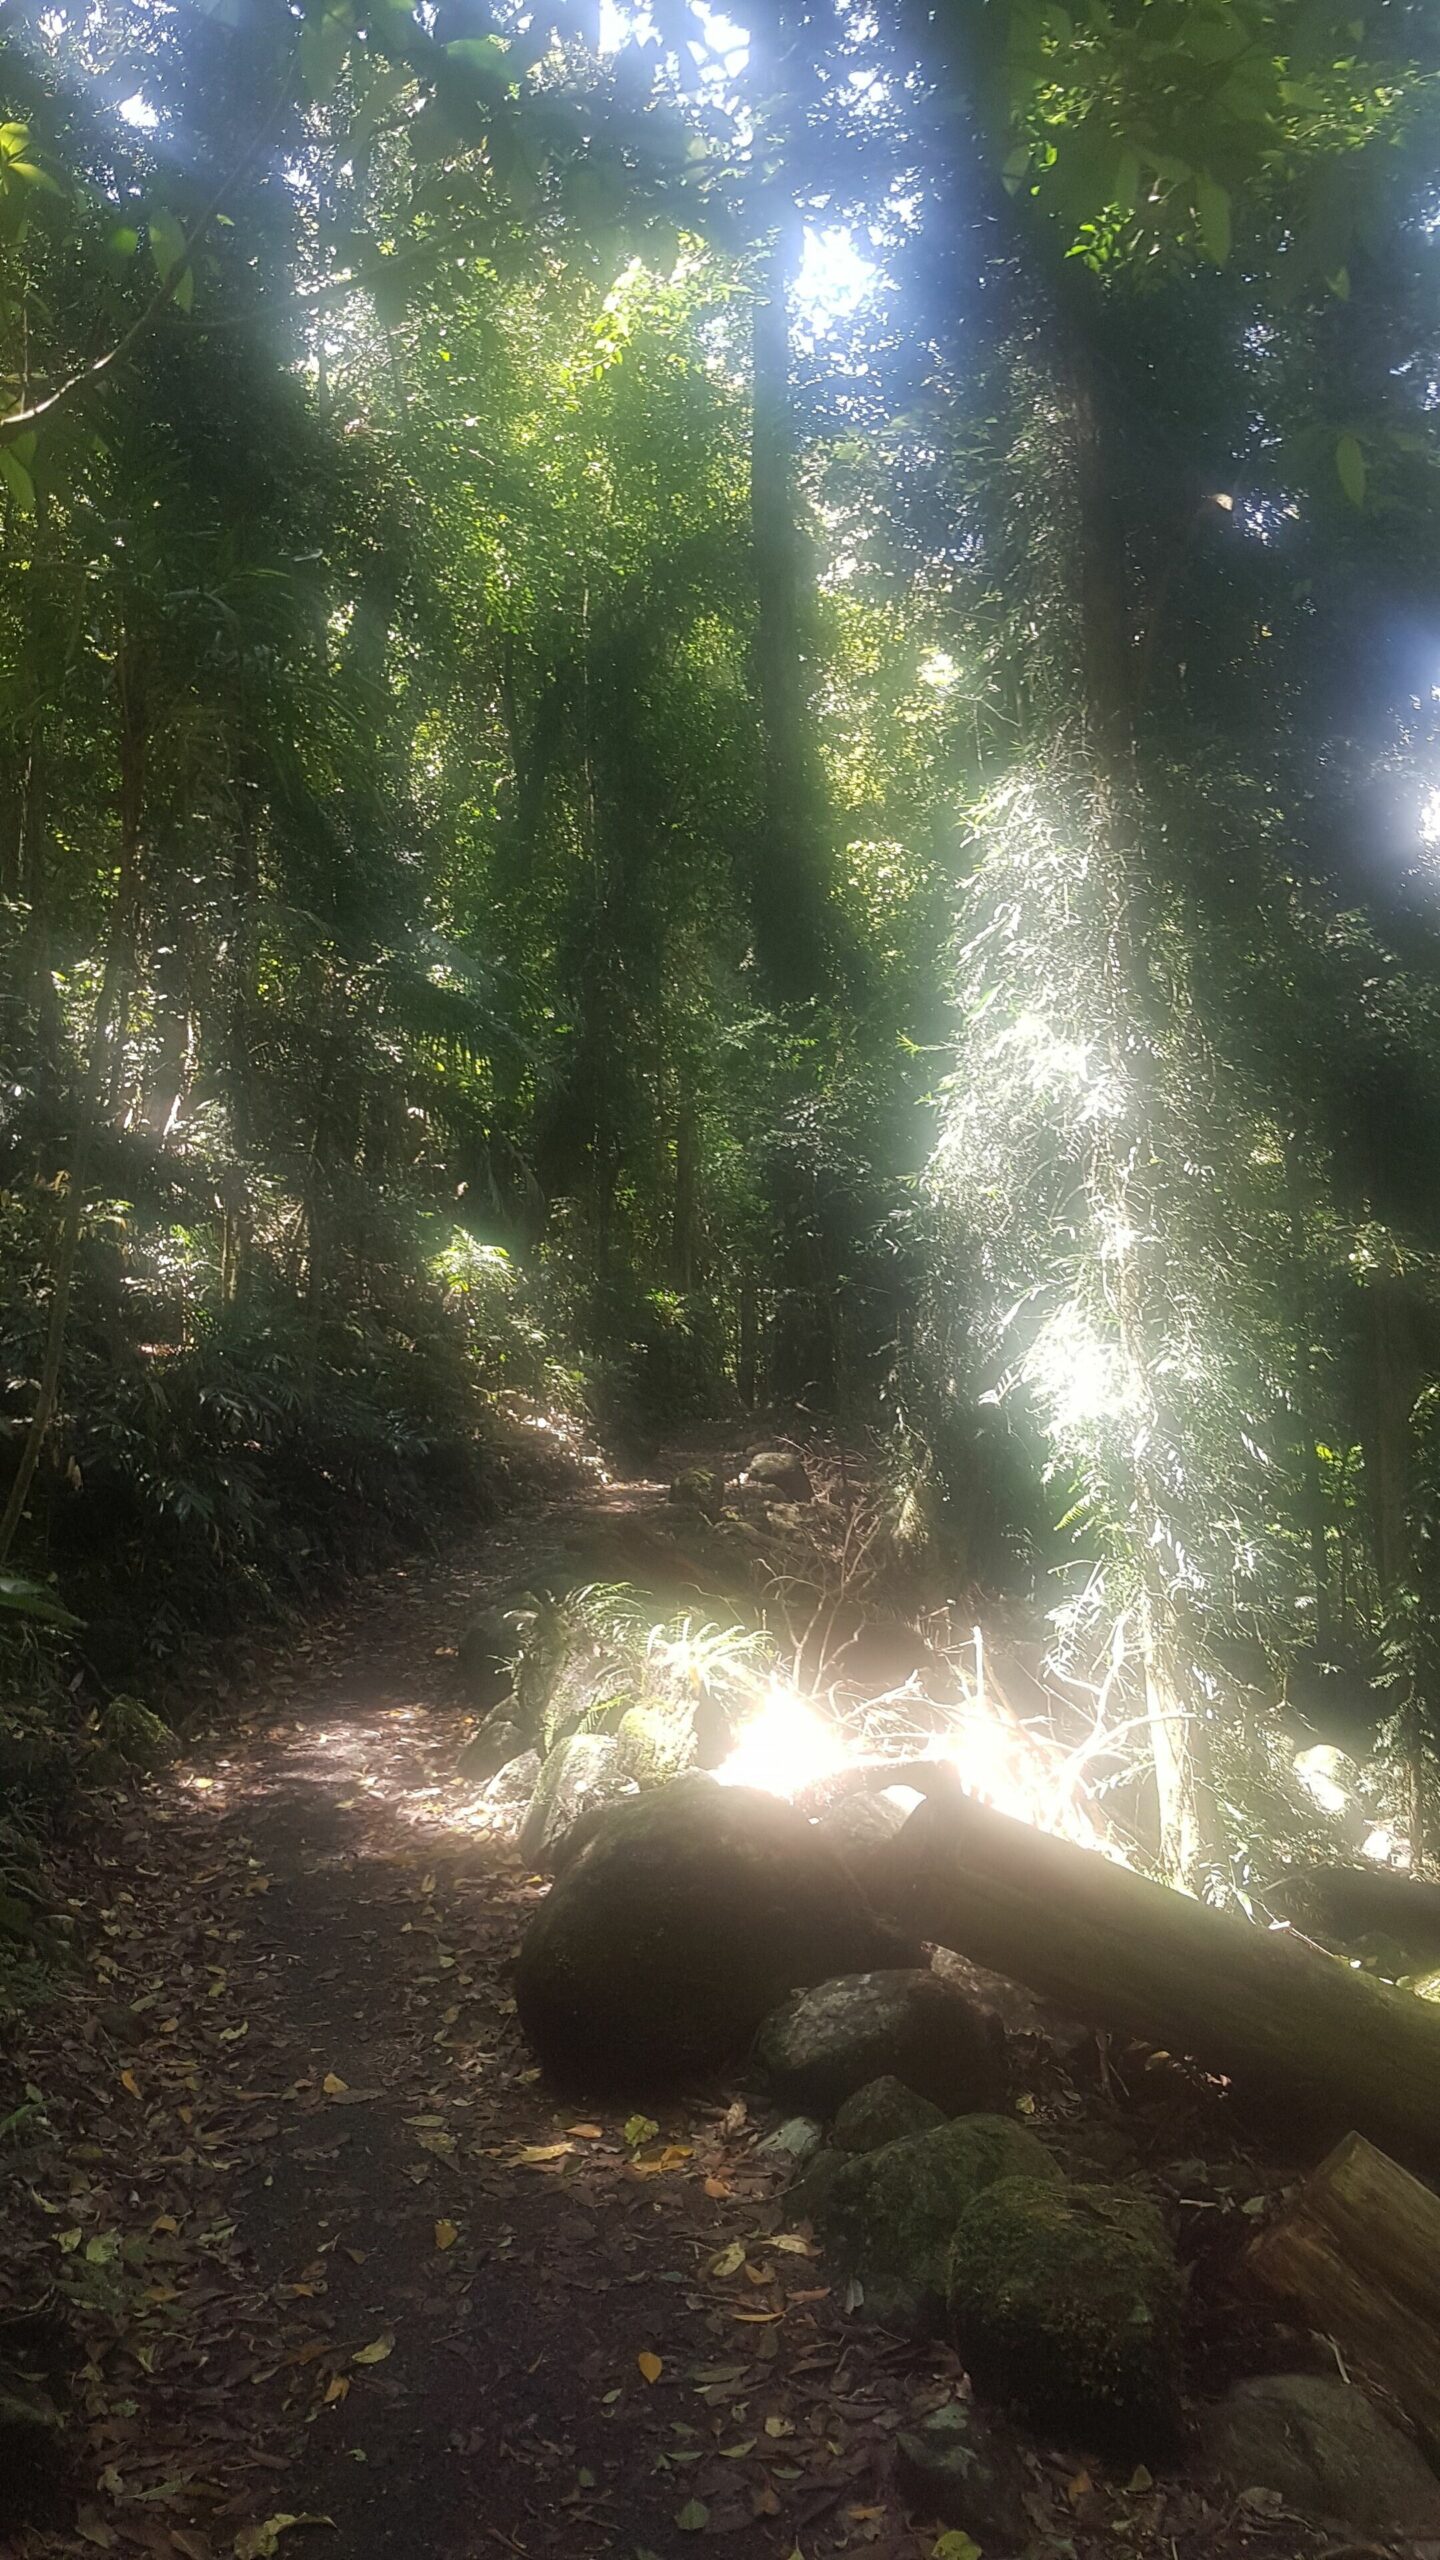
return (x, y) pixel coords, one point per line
(890, 2216)
(701, 1488)
(136, 1735)
(656, 1742)
(1066, 2299)
(883, 2111)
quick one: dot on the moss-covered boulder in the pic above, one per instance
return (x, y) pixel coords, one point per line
(1066, 2299)
(825, 2044)
(656, 1741)
(890, 2216)
(883, 2111)
(688, 1914)
(136, 1735)
(700, 1489)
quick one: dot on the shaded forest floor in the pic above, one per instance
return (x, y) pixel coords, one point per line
(332, 2251)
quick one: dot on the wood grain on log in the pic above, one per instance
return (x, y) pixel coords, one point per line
(1358, 2252)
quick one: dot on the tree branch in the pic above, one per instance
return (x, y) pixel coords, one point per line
(25, 420)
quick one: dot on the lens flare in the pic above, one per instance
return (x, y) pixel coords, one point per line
(785, 1747)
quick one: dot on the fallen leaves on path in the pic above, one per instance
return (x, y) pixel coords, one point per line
(315, 2252)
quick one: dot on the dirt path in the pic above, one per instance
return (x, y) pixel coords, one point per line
(332, 2250)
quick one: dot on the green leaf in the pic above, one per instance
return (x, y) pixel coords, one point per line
(956, 2546)
(694, 2517)
(167, 248)
(1350, 463)
(479, 53)
(31, 1599)
(34, 176)
(124, 240)
(22, 489)
(1212, 205)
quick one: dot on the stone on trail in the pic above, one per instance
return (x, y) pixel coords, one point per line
(890, 2216)
(956, 2469)
(826, 2043)
(781, 1474)
(883, 2111)
(506, 1800)
(499, 1740)
(582, 1772)
(1316, 2443)
(687, 1915)
(1066, 2299)
(796, 2140)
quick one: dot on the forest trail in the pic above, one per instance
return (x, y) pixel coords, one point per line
(339, 2256)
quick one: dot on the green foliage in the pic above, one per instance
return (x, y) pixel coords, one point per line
(498, 733)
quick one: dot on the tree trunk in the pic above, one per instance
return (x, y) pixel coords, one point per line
(1358, 2253)
(1124, 1199)
(133, 740)
(785, 885)
(685, 1218)
(1335, 2050)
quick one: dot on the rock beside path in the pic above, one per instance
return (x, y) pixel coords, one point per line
(780, 1474)
(488, 1651)
(506, 1800)
(686, 1917)
(1316, 2443)
(890, 2216)
(582, 1772)
(908, 2025)
(1066, 2300)
(956, 2469)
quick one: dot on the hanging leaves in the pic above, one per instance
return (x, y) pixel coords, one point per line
(166, 238)
(1350, 464)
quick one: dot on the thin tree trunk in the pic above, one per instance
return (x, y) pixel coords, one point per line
(686, 1208)
(1192, 1848)
(107, 1005)
(789, 874)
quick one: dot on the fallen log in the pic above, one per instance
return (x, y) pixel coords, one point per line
(1357, 2252)
(1332, 2048)
(1346, 1903)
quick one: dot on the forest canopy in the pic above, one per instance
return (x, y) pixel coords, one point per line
(704, 717)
